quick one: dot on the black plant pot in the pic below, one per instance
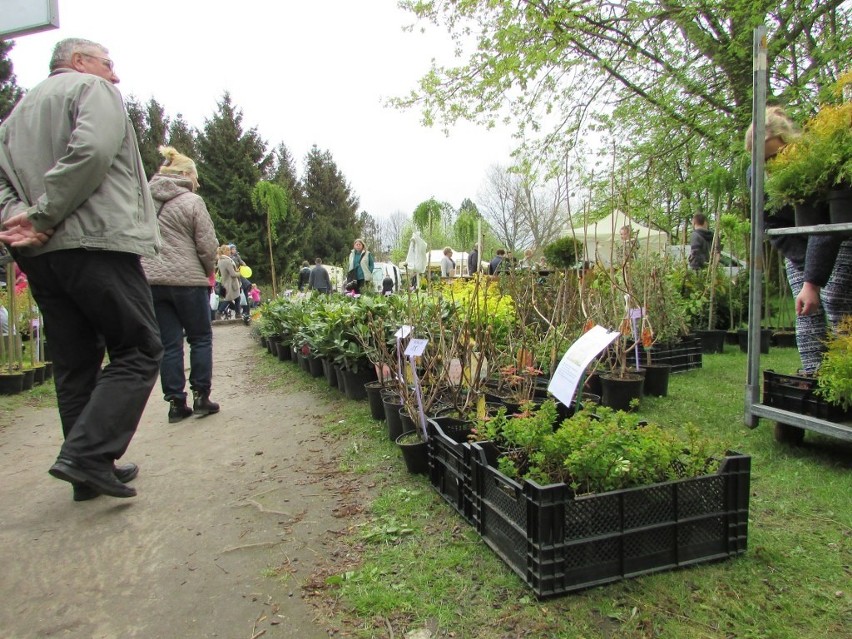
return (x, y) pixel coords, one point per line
(11, 383)
(391, 405)
(39, 371)
(618, 392)
(374, 397)
(657, 379)
(338, 373)
(765, 337)
(712, 341)
(415, 454)
(784, 339)
(29, 379)
(294, 354)
(315, 366)
(328, 371)
(353, 383)
(593, 384)
(840, 205)
(811, 212)
(408, 424)
(284, 351)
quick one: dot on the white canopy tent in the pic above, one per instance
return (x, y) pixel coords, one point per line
(600, 240)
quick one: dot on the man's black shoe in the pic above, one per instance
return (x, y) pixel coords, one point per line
(103, 482)
(123, 473)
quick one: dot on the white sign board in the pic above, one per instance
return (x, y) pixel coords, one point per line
(20, 17)
(416, 347)
(563, 383)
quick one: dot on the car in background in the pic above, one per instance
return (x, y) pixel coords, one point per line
(381, 270)
(728, 264)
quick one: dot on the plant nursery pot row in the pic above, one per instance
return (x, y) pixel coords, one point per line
(20, 381)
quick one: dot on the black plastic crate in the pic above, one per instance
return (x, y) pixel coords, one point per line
(682, 356)
(796, 394)
(450, 470)
(558, 544)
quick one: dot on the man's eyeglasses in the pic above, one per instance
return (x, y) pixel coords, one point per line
(107, 62)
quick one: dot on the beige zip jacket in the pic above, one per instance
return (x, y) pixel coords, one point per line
(69, 157)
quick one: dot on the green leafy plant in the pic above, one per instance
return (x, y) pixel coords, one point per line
(819, 160)
(834, 377)
(597, 450)
(562, 253)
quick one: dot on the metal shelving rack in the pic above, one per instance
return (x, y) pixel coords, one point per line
(753, 408)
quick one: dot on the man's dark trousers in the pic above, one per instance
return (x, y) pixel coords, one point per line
(94, 301)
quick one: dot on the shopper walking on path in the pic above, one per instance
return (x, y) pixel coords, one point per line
(68, 164)
(179, 279)
(319, 279)
(229, 280)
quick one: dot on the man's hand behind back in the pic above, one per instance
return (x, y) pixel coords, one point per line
(18, 231)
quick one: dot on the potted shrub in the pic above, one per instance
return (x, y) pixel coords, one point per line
(834, 377)
(816, 169)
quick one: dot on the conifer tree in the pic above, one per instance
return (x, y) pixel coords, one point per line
(230, 162)
(182, 137)
(329, 209)
(10, 92)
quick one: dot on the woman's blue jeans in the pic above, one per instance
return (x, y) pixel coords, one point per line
(184, 310)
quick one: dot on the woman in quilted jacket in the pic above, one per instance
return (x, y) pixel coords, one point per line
(180, 286)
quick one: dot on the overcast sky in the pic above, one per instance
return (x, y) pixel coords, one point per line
(303, 72)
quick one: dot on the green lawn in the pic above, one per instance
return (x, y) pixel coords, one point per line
(421, 565)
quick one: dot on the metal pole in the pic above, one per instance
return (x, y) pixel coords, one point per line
(757, 204)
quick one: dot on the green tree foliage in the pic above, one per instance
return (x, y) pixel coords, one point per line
(272, 200)
(329, 209)
(230, 163)
(562, 253)
(370, 232)
(689, 62)
(465, 227)
(182, 136)
(150, 123)
(429, 215)
(10, 92)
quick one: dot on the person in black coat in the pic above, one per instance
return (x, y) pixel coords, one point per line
(304, 275)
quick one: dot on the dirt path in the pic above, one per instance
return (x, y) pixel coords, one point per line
(222, 501)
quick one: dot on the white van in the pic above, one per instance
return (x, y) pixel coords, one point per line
(728, 264)
(381, 270)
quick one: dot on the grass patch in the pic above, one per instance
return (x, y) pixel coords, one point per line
(422, 565)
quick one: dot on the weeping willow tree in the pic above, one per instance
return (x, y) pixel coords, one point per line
(273, 200)
(427, 215)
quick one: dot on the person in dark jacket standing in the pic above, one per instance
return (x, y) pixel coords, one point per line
(318, 279)
(78, 215)
(179, 279)
(473, 261)
(304, 275)
(700, 242)
(496, 265)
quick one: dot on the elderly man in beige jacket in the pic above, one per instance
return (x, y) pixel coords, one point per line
(78, 215)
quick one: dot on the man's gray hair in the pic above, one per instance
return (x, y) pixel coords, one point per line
(66, 48)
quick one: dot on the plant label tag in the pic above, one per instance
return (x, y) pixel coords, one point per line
(637, 313)
(416, 347)
(455, 371)
(564, 381)
(403, 332)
